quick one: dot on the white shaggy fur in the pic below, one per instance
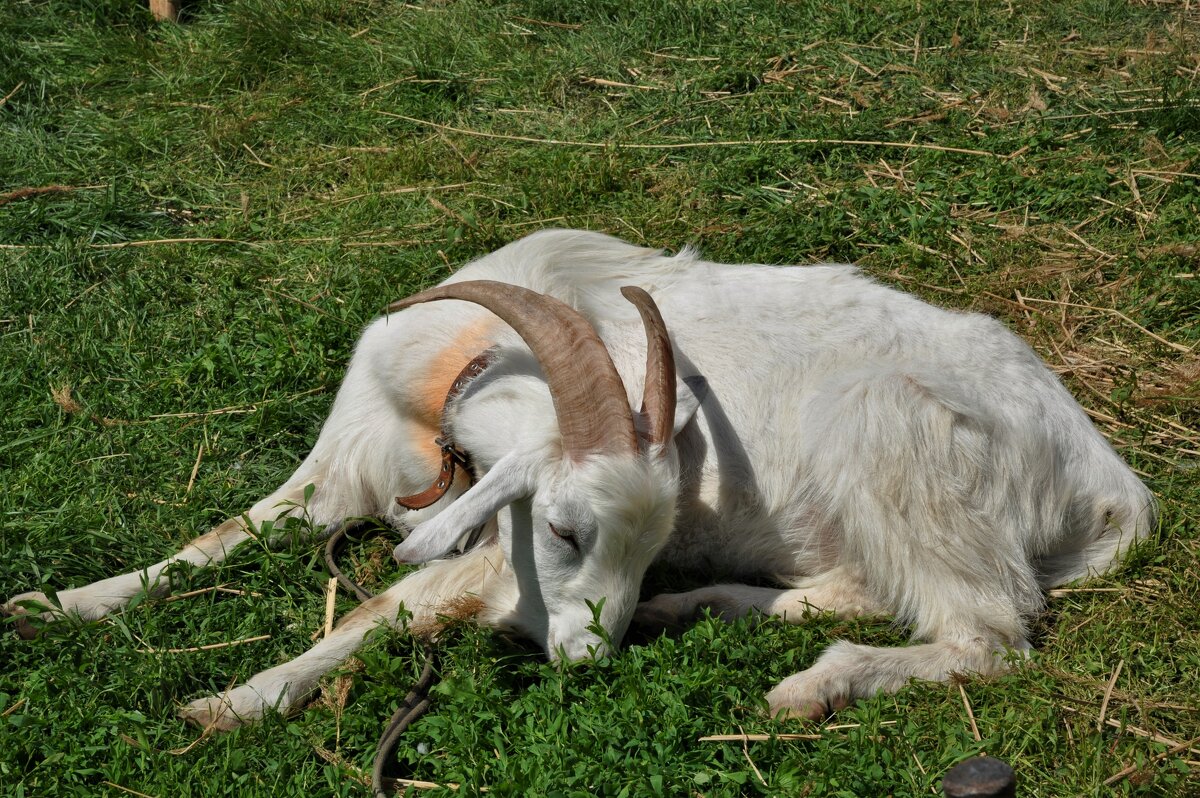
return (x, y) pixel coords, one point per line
(870, 452)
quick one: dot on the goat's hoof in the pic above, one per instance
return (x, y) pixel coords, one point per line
(211, 713)
(231, 709)
(13, 609)
(660, 614)
(793, 699)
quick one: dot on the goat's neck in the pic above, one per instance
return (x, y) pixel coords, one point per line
(502, 412)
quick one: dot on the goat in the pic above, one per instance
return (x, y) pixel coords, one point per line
(868, 452)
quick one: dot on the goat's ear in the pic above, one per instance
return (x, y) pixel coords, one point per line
(508, 480)
(689, 394)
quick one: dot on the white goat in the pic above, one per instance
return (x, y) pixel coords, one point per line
(870, 452)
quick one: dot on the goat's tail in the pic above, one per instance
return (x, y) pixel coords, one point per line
(1105, 520)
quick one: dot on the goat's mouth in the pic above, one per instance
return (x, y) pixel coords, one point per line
(577, 648)
(577, 638)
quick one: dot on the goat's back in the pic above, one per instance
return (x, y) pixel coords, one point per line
(774, 345)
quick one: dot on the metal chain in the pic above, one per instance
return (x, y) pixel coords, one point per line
(417, 702)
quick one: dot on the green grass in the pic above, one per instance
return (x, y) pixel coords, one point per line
(273, 132)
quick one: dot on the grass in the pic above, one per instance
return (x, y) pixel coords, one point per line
(241, 193)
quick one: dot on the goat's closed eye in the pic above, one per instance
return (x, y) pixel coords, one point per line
(565, 535)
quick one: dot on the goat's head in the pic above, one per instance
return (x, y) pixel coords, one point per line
(584, 500)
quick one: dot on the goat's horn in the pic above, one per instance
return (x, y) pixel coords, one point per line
(589, 397)
(658, 396)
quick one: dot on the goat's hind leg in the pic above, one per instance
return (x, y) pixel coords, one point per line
(848, 671)
(936, 530)
(423, 595)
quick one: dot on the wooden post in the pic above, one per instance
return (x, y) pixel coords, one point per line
(165, 10)
(980, 777)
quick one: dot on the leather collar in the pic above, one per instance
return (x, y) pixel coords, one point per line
(452, 455)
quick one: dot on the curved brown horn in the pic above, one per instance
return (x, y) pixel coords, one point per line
(658, 396)
(589, 397)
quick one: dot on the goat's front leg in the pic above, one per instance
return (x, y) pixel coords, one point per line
(94, 601)
(840, 591)
(425, 594)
